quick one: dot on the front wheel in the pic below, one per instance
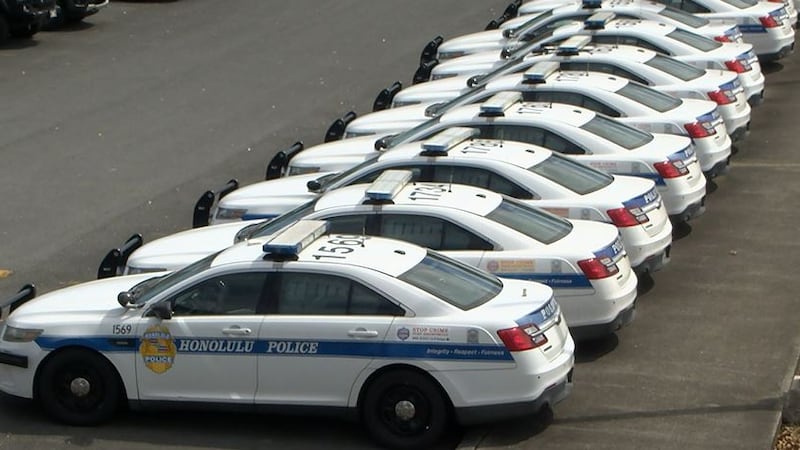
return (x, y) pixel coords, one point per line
(79, 387)
(405, 409)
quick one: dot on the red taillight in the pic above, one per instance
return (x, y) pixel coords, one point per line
(699, 130)
(595, 269)
(623, 217)
(722, 38)
(671, 169)
(721, 97)
(517, 340)
(769, 22)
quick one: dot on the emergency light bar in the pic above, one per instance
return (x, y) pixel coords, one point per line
(447, 139)
(598, 21)
(388, 184)
(573, 45)
(592, 4)
(294, 239)
(539, 72)
(497, 105)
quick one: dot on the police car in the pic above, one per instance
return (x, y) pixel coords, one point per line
(605, 28)
(541, 17)
(622, 99)
(589, 137)
(583, 261)
(653, 69)
(529, 173)
(768, 25)
(305, 321)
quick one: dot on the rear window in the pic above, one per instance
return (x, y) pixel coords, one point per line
(741, 4)
(693, 40)
(683, 17)
(677, 69)
(572, 175)
(649, 97)
(535, 223)
(623, 135)
(456, 283)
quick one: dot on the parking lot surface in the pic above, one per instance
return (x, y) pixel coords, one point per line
(118, 125)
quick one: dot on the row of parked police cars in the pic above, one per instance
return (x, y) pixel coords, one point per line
(432, 262)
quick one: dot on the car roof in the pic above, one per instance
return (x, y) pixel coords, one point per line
(511, 152)
(583, 79)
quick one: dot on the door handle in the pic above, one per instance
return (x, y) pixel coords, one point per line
(236, 331)
(362, 332)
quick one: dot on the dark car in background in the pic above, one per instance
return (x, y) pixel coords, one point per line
(24, 18)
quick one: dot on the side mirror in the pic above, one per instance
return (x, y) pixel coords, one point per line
(125, 298)
(313, 185)
(162, 310)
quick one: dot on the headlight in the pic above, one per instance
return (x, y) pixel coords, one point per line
(230, 213)
(138, 270)
(13, 334)
(294, 170)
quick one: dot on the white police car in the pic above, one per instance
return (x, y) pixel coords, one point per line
(768, 25)
(529, 173)
(302, 321)
(700, 51)
(653, 69)
(583, 261)
(622, 99)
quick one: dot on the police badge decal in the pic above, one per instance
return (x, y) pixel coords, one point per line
(158, 349)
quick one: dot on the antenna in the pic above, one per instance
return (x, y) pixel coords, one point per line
(450, 184)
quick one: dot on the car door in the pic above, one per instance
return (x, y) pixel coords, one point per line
(206, 351)
(324, 329)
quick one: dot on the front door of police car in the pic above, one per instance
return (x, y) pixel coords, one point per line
(207, 351)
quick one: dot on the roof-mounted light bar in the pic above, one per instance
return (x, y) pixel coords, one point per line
(573, 45)
(599, 20)
(294, 239)
(592, 4)
(497, 105)
(539, 72)
(441, 143)
(388, 184)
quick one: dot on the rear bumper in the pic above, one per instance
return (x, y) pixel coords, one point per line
(783, 52)
(740, 133)
(588, 332)
(654, 263)
(719, 168)
(691, 211)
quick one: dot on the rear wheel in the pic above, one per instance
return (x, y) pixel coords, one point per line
(79, 387)
(405, 409)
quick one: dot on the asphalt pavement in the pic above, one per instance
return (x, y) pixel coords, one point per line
(118, 125)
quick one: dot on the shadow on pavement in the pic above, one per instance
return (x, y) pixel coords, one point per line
(592, 350)
(19, 43)
(680, 230)
(771, 67)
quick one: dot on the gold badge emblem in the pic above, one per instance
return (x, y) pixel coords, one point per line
(158, 349)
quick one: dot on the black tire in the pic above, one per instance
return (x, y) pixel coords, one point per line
(393, 390)
(74, 369)
(26, 31)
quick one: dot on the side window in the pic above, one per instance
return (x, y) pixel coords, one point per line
(355, 224)
(604, 68)
(483, 178)
(570, 98)
(229, 294)
(322, 294)
(559, 144)
(686, 5)
(628, 40)
(529, 135)
(430, 232)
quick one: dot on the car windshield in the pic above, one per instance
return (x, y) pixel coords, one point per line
(148, 289)
(649, 97)
(532, 222)
(573, 175)
(617, 132)
(677, 69)
(531, 25)
(272, 226)
(456, 283)
(690, 20)
(334, 180)
(472, 95)
(411, 134)
(693, 40)
(741, 4)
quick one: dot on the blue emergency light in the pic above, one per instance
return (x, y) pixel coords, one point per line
(598, 21)
(441, 143)
(539, 72)
(497, 104)
(573, 45)
(294, 239)
(388, 184)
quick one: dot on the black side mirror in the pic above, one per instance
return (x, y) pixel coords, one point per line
(313, 185)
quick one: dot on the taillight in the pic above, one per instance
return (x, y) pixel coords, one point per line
(518, 339)
(769, 22)
(722, 38)
(624, 217)
(699, 129)
(598, 268)
(736, 66)
(671, 169)
(722, 97)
